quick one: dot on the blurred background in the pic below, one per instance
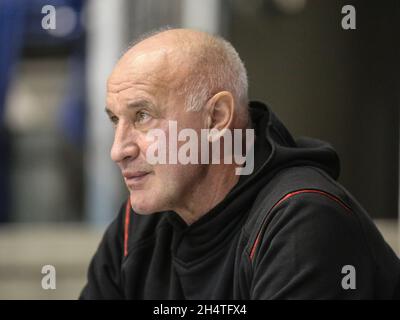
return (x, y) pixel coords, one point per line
(58, 187)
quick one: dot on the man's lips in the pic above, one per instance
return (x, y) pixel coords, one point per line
(133, 175)
(135, 179)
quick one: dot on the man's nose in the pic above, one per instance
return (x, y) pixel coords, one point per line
(125, 145)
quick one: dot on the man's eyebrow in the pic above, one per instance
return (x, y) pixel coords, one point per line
(132, 105)
(108, 111)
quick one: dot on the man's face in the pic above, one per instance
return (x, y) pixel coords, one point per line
(142, 95)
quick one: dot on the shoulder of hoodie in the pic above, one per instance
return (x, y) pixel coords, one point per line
(306, 194)
(314, 226)
(317, 201)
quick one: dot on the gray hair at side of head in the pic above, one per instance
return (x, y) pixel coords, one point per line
(216, 67)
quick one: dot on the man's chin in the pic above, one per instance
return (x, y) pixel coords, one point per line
(142, 208)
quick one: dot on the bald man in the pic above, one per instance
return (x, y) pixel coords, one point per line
(285, 229)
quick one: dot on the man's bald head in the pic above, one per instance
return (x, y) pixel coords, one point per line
(204, 65)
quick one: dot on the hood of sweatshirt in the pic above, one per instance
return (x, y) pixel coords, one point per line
(274, 150)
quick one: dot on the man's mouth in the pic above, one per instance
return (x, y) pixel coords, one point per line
(134, 179)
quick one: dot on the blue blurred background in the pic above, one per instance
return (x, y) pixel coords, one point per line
(58, 186)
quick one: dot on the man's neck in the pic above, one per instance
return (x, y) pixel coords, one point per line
(219, 181)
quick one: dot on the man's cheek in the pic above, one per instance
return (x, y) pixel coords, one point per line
(144, 145)
(154, 147)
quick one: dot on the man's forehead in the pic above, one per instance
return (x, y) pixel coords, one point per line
(165, 54)
(148, 64)
(141, 63)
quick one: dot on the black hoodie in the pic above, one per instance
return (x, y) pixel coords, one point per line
(287, 231)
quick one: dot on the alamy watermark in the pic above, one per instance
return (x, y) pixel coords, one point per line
(49, 20)
(206, 149)
(349, 20)
(349, 280)
(49, 278)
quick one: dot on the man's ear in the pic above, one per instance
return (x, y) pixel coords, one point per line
(220, 111)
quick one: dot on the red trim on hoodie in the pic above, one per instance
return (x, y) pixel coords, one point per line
(126, 226)
(289, 195)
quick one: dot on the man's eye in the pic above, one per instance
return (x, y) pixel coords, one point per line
(114, 120)
(142, 117)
